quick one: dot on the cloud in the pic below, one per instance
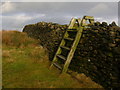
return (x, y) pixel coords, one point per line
(61, 0)
(119, 13)
(108, 20)
(20, 14)
(98, 9)
(7, 7)
(16, 22)
(104, 10)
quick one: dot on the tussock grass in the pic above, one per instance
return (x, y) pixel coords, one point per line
(6, 53)
(37, 53)
(17, 39)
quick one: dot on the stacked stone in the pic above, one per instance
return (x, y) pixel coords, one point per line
(49, 34)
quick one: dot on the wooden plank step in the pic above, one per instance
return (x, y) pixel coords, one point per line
(67, 48)
(117, 36)
(71, 39)
(57, 65)
(62, 57)
(88, 17)
(72, 30)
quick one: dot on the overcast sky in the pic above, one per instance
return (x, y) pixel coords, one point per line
(15, 15)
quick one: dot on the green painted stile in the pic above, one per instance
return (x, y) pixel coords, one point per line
(72, 28)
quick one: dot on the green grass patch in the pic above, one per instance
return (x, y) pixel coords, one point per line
(27, 67)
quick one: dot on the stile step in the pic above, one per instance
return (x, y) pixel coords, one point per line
(71, 39)
(62, 57)
(57, 65)
(72, 30)
(88, 17)
(67, 48)
(118, 37)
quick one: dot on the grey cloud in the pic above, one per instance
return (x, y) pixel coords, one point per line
(60, 8)
(119, 13)
(62, 0)
(58, 12)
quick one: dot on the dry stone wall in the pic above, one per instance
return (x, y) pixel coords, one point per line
(98, 52)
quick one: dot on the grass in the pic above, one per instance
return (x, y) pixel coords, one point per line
(17, 39)
(25, 65)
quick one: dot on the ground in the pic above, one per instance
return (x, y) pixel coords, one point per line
(25, 64)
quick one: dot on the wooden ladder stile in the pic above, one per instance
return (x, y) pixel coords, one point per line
(78, 30)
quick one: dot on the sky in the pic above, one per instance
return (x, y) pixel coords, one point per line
(61, 0)
(119, 13)
(15, 15)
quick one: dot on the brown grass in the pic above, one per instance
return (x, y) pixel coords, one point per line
(17, 39)
(38, 53)
(6, 53)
